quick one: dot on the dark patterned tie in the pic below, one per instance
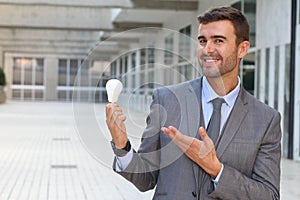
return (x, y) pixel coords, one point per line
(215, 120)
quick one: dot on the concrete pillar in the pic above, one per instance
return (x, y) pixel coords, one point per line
(137, 69)
(8, 69)
(1, 57)
(297, 100)
(159, 61)
(129, 73)
(51, 78)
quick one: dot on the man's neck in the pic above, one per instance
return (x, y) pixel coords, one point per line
(222, 86)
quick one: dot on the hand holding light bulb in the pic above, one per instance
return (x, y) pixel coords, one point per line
(114, 114)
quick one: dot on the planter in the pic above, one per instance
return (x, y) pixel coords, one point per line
(2, 95)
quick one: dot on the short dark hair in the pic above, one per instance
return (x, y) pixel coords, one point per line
(236, 17)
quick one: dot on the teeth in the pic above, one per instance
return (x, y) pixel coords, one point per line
(210, 61)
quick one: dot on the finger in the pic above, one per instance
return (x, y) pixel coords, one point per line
(116, 107)
(171, 131)
(203, 133)
(122, 117)
(181, 140)
(118, 119)
(108, 110)
(113, 113)
(168, 132)
(208, 144)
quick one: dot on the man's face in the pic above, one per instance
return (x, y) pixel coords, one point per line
(217, 52)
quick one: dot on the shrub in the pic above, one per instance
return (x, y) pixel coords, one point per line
(2, 78)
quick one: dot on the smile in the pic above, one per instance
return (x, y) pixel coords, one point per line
(211, 60)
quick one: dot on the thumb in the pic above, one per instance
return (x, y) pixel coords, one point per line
(202, 133)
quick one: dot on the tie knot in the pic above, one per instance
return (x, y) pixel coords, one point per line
(217, 103)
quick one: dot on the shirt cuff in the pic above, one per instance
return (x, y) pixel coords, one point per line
(123, 162)
(216, 180)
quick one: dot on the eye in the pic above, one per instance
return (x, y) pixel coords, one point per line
(202, 42)
(219, 41)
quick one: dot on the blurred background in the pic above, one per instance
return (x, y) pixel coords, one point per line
(65, 51)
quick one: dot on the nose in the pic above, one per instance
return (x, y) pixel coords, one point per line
(209, 47)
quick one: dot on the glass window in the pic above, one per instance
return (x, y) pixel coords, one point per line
(249, 72)
(29, 72)
(85, 72)
(258, 74)
(17, 71)
(185, 44)
(267, 71)
(133, 81)
(39, 73)
(27, 66)
(184, 72)
(16, 93)
(142, 82)
(73, 71)
(151, 57)
(113, 71)
(151, 79)
(62, 72)
(126, 64)
(143, 58)
(38, 95)
(286, 98)
(189, 72)
(237, 5)
(121, 66)
(168, 54)
(27, 94)
(169, 74)
(277, 56)
(248, 7)
(133, 61)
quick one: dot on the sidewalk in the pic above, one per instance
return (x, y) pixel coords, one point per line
(42, 156)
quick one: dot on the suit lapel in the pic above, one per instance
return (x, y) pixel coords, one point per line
(235, 119)
(192, 107)
(193, 113)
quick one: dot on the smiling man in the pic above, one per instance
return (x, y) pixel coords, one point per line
(206, 138)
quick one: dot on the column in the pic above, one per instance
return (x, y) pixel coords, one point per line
(51, 78)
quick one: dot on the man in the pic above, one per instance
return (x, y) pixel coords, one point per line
(229, 152)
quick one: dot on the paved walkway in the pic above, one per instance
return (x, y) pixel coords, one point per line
(44, 154)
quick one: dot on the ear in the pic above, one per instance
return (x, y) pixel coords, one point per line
(243, 48)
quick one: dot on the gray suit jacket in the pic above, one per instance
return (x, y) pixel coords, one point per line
(249, 148)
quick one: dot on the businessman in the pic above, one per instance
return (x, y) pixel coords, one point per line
(206, 138)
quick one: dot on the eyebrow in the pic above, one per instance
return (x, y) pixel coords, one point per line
(214, 36)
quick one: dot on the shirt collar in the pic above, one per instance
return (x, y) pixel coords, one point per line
(209, 94)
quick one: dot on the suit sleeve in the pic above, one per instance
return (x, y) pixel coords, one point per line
(143, 170)
(264, 182)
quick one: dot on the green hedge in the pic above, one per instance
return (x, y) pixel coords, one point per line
(2, 78)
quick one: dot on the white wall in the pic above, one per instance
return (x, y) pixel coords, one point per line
(91, 18)
(297, 97)
(204, 5)
(273, 22)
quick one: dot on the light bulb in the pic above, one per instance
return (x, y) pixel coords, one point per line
(113, 89)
